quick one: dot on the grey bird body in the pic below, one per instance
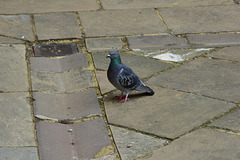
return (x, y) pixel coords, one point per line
(123, 78)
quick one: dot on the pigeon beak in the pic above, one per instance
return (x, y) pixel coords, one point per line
(108, 56)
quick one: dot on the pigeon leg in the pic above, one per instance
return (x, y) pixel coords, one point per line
(125, 100)
(119, 97)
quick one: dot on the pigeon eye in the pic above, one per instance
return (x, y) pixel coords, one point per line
(113, 54)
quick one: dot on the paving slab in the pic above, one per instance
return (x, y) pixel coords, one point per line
(121, 22)
(53, 26)
(19, 153)
(228, 53)
(13, 68)
(104, 44)
(58, 64)
(105, 85)
(214, 78)
(72, 141)
(149, 66)
(42, 6)
(6, 40)
(16, 120)
(214, 40)
(17, 26)
(201, 144)
(132, 145)
(176, 55)
(156, 42)
(230, 121)
(167, 113)
(62, 82)
(130, 4)
(66, 106)
(202, 19)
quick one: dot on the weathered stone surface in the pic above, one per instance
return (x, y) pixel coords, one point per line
(214, 40)
(62, 82)
(104, 44)
(204, 76)
(132, 145)
(142, 66)
(5, 40)
(41, 6)
(19, 153)
(202, 19)
(58, 64)
(73, 141)
(121, 22)
(228, 53)
(66, 106)
(53, 26)
(105, 85)
(167, 113)
(129, 4)
(201, 144)
(13, 68)
(230, 121)
(16, 120)
(156, 42)
(176, 55)
(17, 26)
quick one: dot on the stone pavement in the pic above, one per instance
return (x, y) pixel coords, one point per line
(57, 104)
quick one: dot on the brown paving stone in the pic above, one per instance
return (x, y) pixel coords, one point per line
(20, 153)
(102, 44)
(121, 22)
(156, 42)
(214, 78)
(57, 26)
(42, 6)
(78, 140)
(148, 67)
(62, 82)
(129, 4)
(230, 121)
(66, 106)
(58, 64)
(16, 120)
(214, 40)
(228, 53)
(202, 19)
(17, 26)
(13, 68)
(105, 85)
(167, 113)
(199, 145)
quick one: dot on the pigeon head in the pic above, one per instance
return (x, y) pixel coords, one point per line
(113, 55)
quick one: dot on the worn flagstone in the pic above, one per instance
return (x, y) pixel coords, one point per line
(167, 113)
(6, 40)
(105, 85)
(227, 53)
(19, 153)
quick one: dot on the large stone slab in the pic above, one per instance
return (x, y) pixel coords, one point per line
(129, 4)
(6, 40)
(58, 64)
(228, 53)
(57, 26)
(132, 145)
(167, 113)
(156, 42)
(66, 106)
(62, 82)
(13, 68)
(230, 121)
(202, 19)
(105, 85)
(142, 66)
(204, 76)
(16, 120)
(19, 153)
(121, 22)
(73, 141)
(201, 144)
(17, 26)
(41, 6)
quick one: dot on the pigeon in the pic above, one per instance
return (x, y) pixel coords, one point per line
(123, 78)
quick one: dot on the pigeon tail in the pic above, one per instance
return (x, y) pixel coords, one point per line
(145, 88)
(150, 91)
